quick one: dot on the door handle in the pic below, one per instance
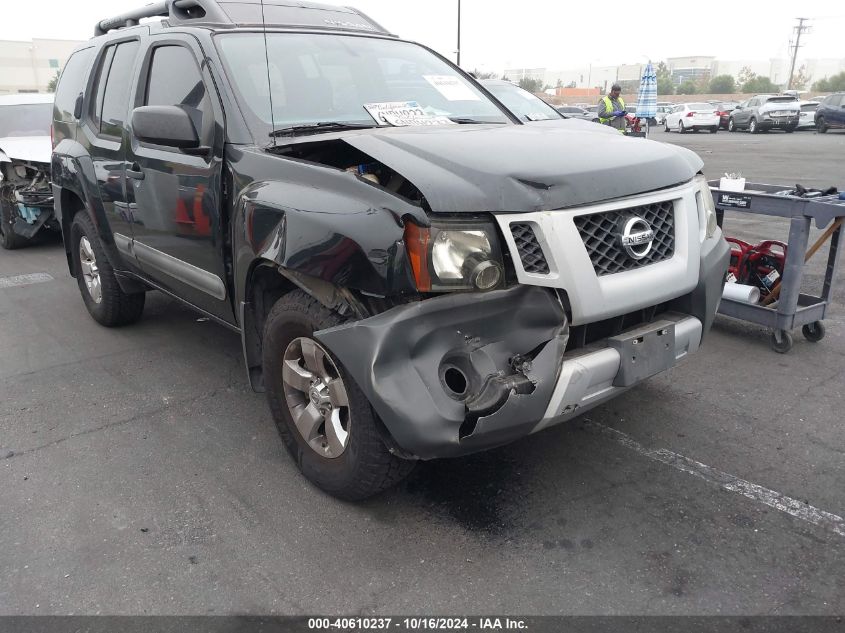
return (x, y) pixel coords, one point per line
(136, 173)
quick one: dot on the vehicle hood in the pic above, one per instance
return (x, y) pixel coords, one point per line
(36, 149)
(525, 168)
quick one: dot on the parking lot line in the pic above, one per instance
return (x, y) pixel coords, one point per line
(771, 498)
(24, 280)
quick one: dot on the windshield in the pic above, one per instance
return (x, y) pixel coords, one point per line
(32, 119)
(318, 78)
(526, 106)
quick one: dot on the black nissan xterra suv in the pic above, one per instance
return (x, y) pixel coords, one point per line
(414, 274)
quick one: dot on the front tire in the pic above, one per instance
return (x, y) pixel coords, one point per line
(323, 417)
(8, 238)
(105, 300)
(752, 126)
(821, 126)
(731, 125)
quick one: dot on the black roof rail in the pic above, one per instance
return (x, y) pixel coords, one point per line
(249, 13)
(176, 10)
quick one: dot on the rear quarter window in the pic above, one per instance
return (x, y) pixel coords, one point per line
(72, 84)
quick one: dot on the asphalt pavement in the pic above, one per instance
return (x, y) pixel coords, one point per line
(140, 475)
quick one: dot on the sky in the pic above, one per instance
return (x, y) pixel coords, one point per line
(533, 33)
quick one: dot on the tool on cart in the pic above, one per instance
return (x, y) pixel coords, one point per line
(759, 265)
(785, 306)
(775, 293)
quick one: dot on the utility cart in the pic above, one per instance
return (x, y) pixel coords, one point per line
(787, 307)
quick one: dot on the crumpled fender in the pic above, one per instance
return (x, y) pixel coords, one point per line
(397, 359)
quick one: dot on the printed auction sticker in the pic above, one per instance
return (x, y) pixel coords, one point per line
(404, 113)
(452, 88)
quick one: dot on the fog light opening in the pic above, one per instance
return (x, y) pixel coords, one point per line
(486, 275)
(455, 380)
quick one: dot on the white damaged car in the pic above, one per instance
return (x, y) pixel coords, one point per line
(26, 196)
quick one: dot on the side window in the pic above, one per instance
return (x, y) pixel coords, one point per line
(116, 95)
(72, 84)
(100, 87)
(175, 79)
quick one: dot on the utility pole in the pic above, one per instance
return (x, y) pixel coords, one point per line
(459, 33)
(798, 31)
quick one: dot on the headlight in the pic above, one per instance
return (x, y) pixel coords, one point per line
(706, 208)
(454, 256)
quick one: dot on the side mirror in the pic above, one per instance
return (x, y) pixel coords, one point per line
(739, 107)
(170, 126)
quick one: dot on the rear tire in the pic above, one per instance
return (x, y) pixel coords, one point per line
(359, 466)
(8, 238)
(714, 129)
(813, 332)
(681, 128)
(105, 300)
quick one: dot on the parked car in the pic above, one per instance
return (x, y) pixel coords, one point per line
(686, 117)
(807, 119)
(414, 272)
(724, 109)
(831, 113)
(26, 199)
(662, 111)
(523, 104)
(765, 112)
(574, 112)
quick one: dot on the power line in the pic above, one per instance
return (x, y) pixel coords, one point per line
(799, 29)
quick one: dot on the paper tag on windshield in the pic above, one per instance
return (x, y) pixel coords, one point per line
(538, 116)
(452, 88)
(404, 113)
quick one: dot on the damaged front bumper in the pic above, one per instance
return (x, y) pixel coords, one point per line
(465, 372)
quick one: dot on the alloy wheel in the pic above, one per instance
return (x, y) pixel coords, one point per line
(90, 270)
(316, 397)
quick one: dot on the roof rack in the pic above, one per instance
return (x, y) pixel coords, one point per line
(233, 13)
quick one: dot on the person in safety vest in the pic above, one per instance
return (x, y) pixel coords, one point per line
(612, 109)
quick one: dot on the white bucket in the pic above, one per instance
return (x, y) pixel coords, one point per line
(732, 184)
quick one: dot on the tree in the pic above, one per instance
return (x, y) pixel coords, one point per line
(531, 85)
(760, 85)
(686, 88)
(835, 83)
(664, 79)
(665, 86)
(571, 84)
(745, 75)
(801, 78)
(479, 74)
(51, 85)
(722, 85)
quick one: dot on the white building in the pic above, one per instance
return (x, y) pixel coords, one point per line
(29, 66)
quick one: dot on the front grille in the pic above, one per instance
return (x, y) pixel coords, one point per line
(600, 233)
(529, 249)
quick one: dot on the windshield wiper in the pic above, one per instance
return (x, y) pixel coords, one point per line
(469, 121)
(322, 126)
